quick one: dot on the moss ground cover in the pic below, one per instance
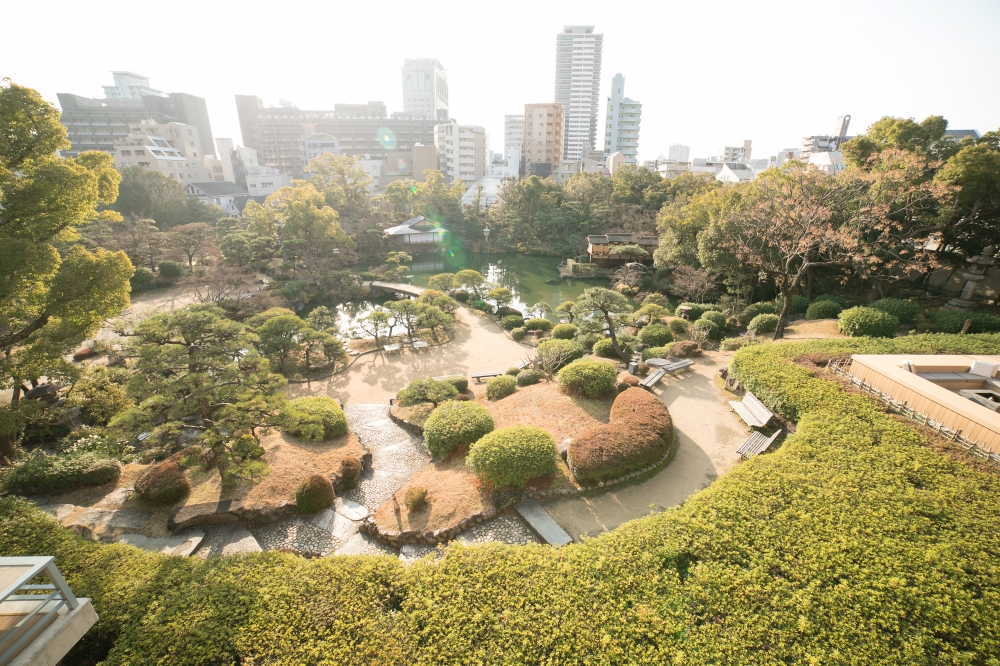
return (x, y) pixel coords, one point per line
(853, 543)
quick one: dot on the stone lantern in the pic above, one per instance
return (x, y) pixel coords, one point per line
(976, 273)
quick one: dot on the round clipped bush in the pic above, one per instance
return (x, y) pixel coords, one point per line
(951, 321)
(655, 335)
(314, 418)
(588, 377)
(563, 350)
(461, 296)
(510, 457)
(500, 387)
(456, 424)
(833, 298)
(460, 382)
(904, 311)
(716, 318)
(350, 472)
(518, 333)
(587, 340)
(823, 310)
(163, 483)
(513, 371)
(709, 327)
(510, 322)
(169, 269)
(763, 323)
(654, 352)
(684, 349)
(754, 309)
(867, 322)
(143, 276)
(697, 309)
(732, 344)
(604, 348)
(678, 326)
(564, 331)
(415, 498)
(656, 299)
(426, 390)
(638, 434)
(626, 381)
(538, 324)
(314, 494)
(528, 377)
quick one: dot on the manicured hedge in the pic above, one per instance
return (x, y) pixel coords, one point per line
(763, 323)
(852, 543)
(568, 350)
(951, 321)
(605, 349)
(564, 331)
(656, 335)
(732, 344)
(824, 310)
(314, 494)
(315, 418)
(860, 322)
(709, 327)
(638, 434)
(426, 390)
(697, 309)
(754, 309)
(518, 333)
(588, 377)
(538, 324)
(456, 424)
(905, 311)
(510, 322)
(527, 377)
(654, 352)
(41, 474)
(715, 317)
(163, 483)
(460, 382)
(510, 457)
(500, 387)
(679, 326)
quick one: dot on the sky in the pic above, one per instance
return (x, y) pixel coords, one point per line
(708, 74)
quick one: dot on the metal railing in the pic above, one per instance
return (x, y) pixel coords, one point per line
(842, 367)
(20, 572)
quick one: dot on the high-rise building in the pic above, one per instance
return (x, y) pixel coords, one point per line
(463, 152)
(361, 129)
(543, 138)
(96, 124)
(513, 135)
(826, 143)
(578, 83)
(679, 153)
(425, 88)
(621, 125)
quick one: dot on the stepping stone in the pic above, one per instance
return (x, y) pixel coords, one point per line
(178, 544)
(240, 541)
(354, 546)
(116, 499)
(123, 518)
(350, 509)
(343, 528)
(324, 520)
(542, 523)
(60, 511)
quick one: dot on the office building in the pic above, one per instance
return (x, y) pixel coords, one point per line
(169, 148)
(263, 184)
(361, 129)
(737, 153)
(315, 145)
(826, 143)
(513, 135)
(425, 89)
(786, 154)
(462, 152)
(679, 153)
(543, 138)
(96, 124)
(621, 124)
(577, 87)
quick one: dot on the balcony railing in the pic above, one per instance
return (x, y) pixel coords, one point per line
(26, 609)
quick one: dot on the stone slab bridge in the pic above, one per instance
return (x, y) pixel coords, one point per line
(400, 287)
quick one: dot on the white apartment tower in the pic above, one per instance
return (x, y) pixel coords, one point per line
(463, 152)
(679, 153)
(513, 135)
(578, 83)
(425, 88)
(621, 126)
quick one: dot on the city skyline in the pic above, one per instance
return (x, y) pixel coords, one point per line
(695, 101)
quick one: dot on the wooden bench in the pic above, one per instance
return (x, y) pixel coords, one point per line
(479, 377)
(671, 368)
(391, 349)
(756, 443)
(419, 344)
(652, 379)
(752, 411)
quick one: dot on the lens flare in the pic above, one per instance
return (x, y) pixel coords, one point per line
(387, 138)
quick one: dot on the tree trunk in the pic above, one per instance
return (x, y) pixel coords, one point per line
(614, 339)
(8, 448)
(786, 294)
(809, 284)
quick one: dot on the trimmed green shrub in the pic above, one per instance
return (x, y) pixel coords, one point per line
(315, 418)
(832, 298)
(456, 424)
(513, 371)
(657, 299)
(763, 323)
(510, 457)
(655, 335)
(754, 309)
(518, 333)
(867, 322)
(314, 494)
(415, 498)
(588, 377)
(538, 324)
(902, 310)
(587, 340)
(679, 326)
(461, 296)
(654, 352)
(500, 387)
(626, 381)
(823, 310)
(142, 276)
(799, 304)
(605, 349)
(169, 269)
(716, 318)
(460, 382)
(564, 331)
(42, 474)
(697, 309)
(350, 472)
(951, 321)
(707, 325)
(567, 350)
(732, 344)
(426, 390)
(510, 322)
(527, 377)
(163, 483)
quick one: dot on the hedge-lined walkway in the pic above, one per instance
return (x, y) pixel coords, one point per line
(708, 434)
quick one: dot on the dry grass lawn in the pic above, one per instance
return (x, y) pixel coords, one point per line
(544, 405)
(415, 414)
(453, 493)
(803, 329)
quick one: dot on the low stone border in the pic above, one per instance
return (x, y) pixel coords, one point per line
(409, 426)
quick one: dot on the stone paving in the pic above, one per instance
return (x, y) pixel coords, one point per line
(297, 534)
(506, 527)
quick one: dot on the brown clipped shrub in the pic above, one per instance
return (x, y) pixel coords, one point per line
(350, 472)
(315, 494)
(415, 498)
(685, 348)
(639, 433)
(626, 381)
(163, 483)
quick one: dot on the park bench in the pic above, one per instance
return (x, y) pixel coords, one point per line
(671, 368)
(391, 349)
(479, 377)
(652, 378)
(756, 443)
(419, 345)
(752, 410)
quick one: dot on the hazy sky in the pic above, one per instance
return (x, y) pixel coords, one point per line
(708, 74)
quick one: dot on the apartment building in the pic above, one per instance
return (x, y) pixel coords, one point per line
(577, 86)
(172, 149)
(679, 153)
(513, 135)
(621, 124)
(543, 138)
(738, 153)
(463, 152)
(425, 88)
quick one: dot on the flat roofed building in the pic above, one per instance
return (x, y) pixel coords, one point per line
(621, 124)
(577, 87)
(169, 148)
(543, 135)
(462, 152)
(425, 88)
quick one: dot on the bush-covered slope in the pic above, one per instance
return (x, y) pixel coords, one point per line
(851, 544)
